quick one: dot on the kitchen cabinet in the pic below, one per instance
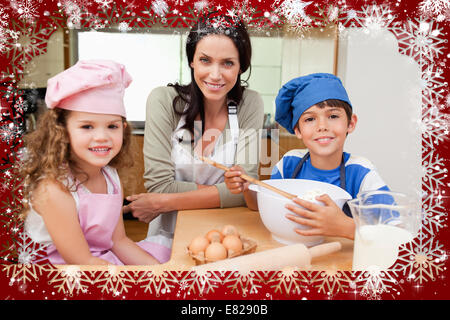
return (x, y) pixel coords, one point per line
(132, 178)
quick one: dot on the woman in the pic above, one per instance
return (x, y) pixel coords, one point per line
(214, 116)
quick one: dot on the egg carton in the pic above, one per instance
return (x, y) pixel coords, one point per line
(249, 246)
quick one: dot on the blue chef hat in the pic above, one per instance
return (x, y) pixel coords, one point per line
(299, 94)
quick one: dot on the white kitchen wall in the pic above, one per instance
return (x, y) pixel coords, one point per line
(155, 59)
(152, 59)
(383, 85)
(276, 60)
(266, 69)
(384, 88)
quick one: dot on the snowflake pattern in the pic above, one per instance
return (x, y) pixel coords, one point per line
(4, 36)
(434, 171)
(294, 13)
(114, 281)
(178, 2)
(289, 280)
(201, 5)
(434, 215)
(24, 273)
(372, 18)
(28, 41)
(244, 283)
(331, 282)
(375, 282)
(69, 280)
(433, 83)
(4, 17)
(25, 9)
(434, 127)
(11, 131)
(328, 15)
(420, 261)
(420, 40)
(30, 251)
(25, 270)
(244, 11)
(147, 19)
(201, 283)
(73, 12)
(104, 4)
(157, 283)
(435, 8)
(160, 7)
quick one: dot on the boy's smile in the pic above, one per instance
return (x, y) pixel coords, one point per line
(324, 140)
(323, 131)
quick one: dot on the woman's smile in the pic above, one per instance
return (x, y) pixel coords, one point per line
(214, 86)
(216, 67)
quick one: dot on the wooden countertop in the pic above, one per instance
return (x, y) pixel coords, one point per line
(191, 223)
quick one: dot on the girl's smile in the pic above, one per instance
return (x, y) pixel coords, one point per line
(101, 151)
(95, 139)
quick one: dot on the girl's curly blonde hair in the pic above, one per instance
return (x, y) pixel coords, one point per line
(48, 153)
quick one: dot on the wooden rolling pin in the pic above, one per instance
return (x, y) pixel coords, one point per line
(295, 255)
(250, 179)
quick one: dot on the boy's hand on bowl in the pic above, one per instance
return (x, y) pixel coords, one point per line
(234, 182)
(325, 220)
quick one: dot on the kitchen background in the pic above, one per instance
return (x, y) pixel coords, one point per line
(384, 87)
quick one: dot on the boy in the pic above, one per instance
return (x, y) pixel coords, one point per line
(316, 108)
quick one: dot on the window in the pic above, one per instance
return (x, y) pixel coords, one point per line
(158, 57)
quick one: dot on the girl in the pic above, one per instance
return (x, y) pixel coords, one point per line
(214, 116)
(70, 177)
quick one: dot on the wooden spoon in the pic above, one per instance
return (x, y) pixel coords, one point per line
(250, 179)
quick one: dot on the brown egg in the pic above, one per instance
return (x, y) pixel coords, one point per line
(198, 244)
(246, 245)
(232, 243)
(229, 230)
(215, 251)
(214, 236)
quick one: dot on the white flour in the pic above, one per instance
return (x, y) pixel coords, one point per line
(312, 194)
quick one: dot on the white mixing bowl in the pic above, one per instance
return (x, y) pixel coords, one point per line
(272, 207)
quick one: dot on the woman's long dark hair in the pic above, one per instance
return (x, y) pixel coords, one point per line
(191, 94)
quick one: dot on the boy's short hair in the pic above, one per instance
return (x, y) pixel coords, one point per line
(335, 103)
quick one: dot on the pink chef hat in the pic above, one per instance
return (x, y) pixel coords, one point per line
(95, 86)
